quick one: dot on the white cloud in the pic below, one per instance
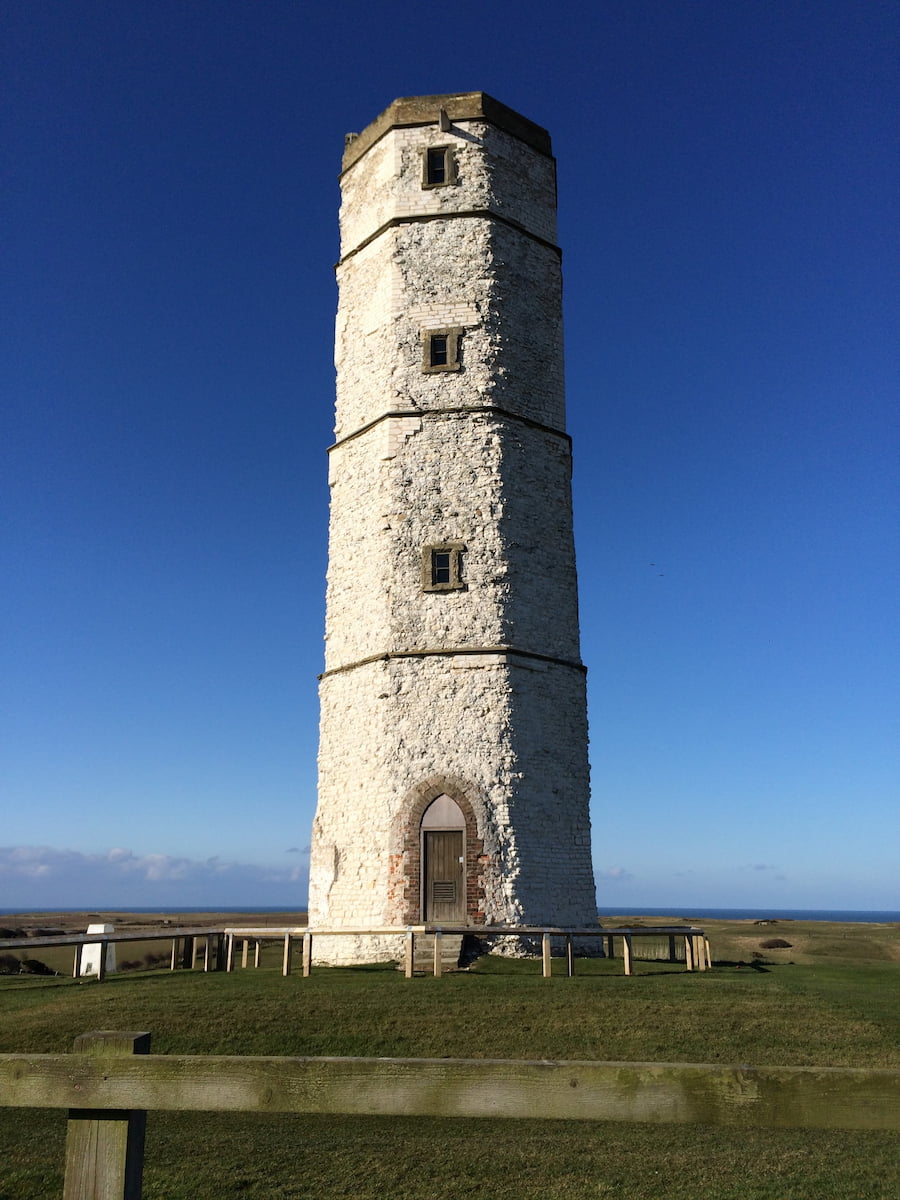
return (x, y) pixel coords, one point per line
(47, 877)
(615, 873)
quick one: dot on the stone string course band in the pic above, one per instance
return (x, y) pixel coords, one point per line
(449, 651)
(484, 212)
(424, 412)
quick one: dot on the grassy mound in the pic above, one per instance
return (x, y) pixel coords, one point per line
(831, 1006)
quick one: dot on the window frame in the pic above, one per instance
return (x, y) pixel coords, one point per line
(449, 166)
(453, 363)
(455, 552)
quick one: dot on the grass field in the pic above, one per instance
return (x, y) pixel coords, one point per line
(829, 999)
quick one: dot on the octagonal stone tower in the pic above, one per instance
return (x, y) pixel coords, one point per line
(453, 768)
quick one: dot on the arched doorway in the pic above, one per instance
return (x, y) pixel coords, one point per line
(443, 834)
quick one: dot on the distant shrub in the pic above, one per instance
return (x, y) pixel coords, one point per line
(775, 944)
(9, 964)
(34, 966)
(11, 933)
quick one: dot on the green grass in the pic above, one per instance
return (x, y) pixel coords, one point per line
(836, 1011)
(210, 1157)
(789, 1016)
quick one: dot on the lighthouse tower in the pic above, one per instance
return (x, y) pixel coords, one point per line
(453, 767)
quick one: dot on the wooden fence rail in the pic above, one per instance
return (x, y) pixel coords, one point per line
(112, 1080)
(697, 955)
(189, 946)
(215, 947)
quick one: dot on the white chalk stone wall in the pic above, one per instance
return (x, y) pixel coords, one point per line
(476, 692)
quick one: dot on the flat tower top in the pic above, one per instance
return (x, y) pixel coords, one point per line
(459, 106)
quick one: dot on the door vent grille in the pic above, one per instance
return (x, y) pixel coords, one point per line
(443, 891)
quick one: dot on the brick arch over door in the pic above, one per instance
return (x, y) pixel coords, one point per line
(405, 901)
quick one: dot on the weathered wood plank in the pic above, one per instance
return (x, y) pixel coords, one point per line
(75, 939)
(626, 952)
(410, 954)
(105, 1148)
(661, 1093)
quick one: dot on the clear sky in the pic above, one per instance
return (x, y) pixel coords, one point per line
(728, 204)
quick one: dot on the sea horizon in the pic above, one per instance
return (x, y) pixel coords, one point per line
(689, 912)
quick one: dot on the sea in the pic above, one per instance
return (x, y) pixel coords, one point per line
(697, 913)
(864, 916)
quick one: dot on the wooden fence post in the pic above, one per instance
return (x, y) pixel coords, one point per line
(626, 952)
(257, 951)
(570, 956)
(307, 954)
(545, 955)
(76, 968)
(700, 952)
(688, 952)
(286, 957)
(409, 956)
(105, 1147)
(438, 961)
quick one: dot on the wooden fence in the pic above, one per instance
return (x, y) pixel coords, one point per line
(696, 943)
(215, 947)
(189, 946)
(111, 1081)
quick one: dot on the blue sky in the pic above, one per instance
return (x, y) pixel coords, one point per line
(728, 198)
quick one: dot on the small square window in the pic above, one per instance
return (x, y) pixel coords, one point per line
(440, 349)
(438, 166)
(442, 567)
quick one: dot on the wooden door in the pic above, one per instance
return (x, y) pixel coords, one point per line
(445, 890)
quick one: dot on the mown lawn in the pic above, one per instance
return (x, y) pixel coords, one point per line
(210, 1157)
(781, 1014)
(789, 1016)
